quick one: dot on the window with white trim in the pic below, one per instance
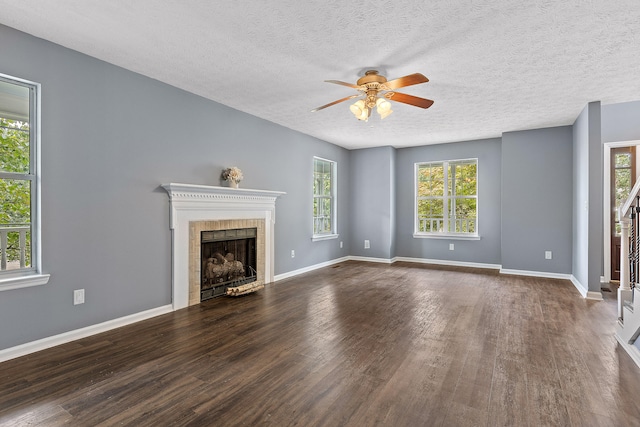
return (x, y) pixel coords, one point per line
(19, 184)
(324, 198)
(447, 198)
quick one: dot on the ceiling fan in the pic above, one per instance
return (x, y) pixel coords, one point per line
(375, 90)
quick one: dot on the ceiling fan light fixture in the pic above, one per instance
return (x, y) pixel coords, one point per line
(385, 113)
(383, 107)
(376, 90)
(360, 110)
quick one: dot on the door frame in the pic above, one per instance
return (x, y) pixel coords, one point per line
(606, 199)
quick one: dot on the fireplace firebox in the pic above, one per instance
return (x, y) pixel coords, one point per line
(228, 260)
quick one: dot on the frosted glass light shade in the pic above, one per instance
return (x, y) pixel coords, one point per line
(383, 107)
(360, 110)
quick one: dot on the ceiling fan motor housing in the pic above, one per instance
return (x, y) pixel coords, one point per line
(371, 76)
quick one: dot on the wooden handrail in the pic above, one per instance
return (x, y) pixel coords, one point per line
(624, 209)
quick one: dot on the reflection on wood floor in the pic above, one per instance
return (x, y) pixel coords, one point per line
(355, 344)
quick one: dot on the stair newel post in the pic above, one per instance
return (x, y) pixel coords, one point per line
(624, 291)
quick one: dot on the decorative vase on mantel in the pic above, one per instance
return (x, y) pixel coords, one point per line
(233, 176)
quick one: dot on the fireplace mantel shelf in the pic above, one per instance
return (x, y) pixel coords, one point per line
(198, 192)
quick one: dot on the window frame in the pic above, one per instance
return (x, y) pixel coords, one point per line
(446, 197)
(333, 234)
(31, 276)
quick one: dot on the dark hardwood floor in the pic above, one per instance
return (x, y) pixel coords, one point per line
(356, 344)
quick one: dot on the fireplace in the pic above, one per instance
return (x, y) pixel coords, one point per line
(199, 210)
(228, 259)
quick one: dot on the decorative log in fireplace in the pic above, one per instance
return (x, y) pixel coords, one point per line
(228, 262)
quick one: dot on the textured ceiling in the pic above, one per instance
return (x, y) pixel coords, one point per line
(494, 66)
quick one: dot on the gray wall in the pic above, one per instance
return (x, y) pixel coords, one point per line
(621, 122)
(487, 249)
(596, 206)
(587, 197)
(372, 215)
(581, 198)
(110, 137)
(537, 181)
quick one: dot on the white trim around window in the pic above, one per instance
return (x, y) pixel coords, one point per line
(442, 193)
(31, 275)
(325, 200)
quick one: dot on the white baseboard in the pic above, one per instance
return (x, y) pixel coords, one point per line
(383, 261)
(42, 344)
(631, 350)
(596, 296)
(371, 259)
(426, 261)
(309, 268)
(530, 273)
(447, 262)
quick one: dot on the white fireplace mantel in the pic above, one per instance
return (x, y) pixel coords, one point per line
(191, 202)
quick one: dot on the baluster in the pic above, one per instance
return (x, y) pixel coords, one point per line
(636, 245)
(23, 248)
(632, 247)
(3, 249)
(626, 246)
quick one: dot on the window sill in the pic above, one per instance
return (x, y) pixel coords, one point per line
(320, 237)
(23, 281)
(450, 236)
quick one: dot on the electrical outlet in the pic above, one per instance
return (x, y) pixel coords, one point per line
(451, 246)
(367, 245)
(548, 255)
(78, 296)
(293, 253)
(340, 245)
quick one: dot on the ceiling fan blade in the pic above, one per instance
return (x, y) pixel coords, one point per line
(336, 102)
(338, 82)
(411, 79)
(409, 99)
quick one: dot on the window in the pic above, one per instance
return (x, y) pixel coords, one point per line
(324, 199)
(19, 184)
(623, 174)
(447, 199)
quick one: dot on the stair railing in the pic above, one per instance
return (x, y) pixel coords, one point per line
(629, 213)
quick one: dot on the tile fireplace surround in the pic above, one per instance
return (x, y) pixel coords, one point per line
(196, 208)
